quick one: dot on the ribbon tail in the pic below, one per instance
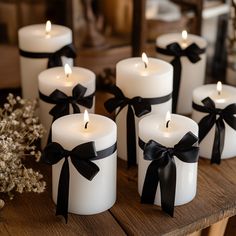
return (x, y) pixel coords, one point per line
(63, 191)
(131, 137)
(176, 82)
(167, 177)
(150, 184)
(50, 136)
(75, 108)
(218, 144)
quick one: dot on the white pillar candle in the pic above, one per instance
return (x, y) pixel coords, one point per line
(87, 197)
(135, 80)
(192, 74)
(35, 38)
(226, 97)
(56, 78)
(153, 127)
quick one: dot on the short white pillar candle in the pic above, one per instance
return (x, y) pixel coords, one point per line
(226, 97)
(35, 38)
(153, 127)
(134, 79)
(87, 197)
(56, 78)
(192, 74)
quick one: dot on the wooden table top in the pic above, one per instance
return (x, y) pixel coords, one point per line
(34, 214)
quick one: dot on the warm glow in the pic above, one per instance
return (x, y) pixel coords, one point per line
(48, 27)
(168, 119)
(86, 119)
(219, 87)
(184, 35)
(145, 59)
(67, 70)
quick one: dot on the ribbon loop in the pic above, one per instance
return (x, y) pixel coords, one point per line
(208, 121)
(136, 105)
(192, 52)
(163, 169)
(66, 51)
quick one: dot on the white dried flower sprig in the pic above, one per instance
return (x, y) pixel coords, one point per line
(19, 129)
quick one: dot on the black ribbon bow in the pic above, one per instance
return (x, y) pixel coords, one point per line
(138, 105)
(216, 116)
(163, 169)
(81, 157)
(54, 58)
(62, 102)
(192, 52)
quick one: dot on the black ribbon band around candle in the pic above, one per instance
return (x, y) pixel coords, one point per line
(54, 58)
(217, 117)
(62, 102)
(81, 157)
(192, 52)
(163, 169)
(136, 105)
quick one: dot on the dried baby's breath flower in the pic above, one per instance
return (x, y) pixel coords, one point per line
(19, 129)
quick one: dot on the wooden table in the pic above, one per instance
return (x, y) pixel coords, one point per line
(34, 214)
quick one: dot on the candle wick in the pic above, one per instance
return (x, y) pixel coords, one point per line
(86, 125)
(167, 124)
(67, 75)
(219, 93)
(145, 65)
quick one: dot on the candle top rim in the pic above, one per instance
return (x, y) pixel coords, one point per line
(98, 126)
(169, 38)
(200, 93)
(37, 30)
(60, 69)
(136, 65)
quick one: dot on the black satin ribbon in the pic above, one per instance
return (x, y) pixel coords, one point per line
(54, 58)
(216, 116)
(192, 52)
(81, 157)
(163, 169)
(62, 102)
(138, 105)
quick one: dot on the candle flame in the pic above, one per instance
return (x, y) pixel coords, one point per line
(219, 87)
(67, 70)
(48, 27)
(184, 35)
(168, 118)
(86, 119)
(145, 59)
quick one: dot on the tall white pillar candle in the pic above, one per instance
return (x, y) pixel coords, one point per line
(35, 38)
(56, 78)
(87, 197)
(226, 97)
(135, 80)
(192, 74)
(153, 127)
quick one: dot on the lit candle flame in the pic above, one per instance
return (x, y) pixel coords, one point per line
(86, 119)
(48, 27)
(67, 70)
(168, 119)
(145, 59)
(184, 35)
(219, 87)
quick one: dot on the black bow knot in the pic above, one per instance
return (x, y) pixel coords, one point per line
(81, 157)
(217, 117)
(163, 169)
(192, 52)
(54, 58)
(62, 102)
(138, 105)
